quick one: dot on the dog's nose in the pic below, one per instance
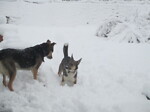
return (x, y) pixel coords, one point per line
(49, 57)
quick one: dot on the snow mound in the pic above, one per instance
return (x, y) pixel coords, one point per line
(106, 28)
(131, 31)
(9, 20)
(12, 20)
(37, 1)
(131, 37)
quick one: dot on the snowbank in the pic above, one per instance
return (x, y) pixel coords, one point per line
(134, 30)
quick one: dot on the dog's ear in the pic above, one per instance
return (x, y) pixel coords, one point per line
(53, 43)
(48, 41)
(78, 62)
(72, 57)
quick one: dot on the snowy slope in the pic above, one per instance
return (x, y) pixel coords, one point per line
(112, 76)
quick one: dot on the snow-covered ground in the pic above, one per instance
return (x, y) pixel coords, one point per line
(113, 75)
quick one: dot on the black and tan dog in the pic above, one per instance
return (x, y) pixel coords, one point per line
(28, 59)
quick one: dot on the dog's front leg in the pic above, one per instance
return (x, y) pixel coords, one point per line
(34, 71)
(35, 68)
(63, 81)
(4, 80)
(75, 79)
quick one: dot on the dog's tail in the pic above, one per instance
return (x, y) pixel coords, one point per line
(65, 50)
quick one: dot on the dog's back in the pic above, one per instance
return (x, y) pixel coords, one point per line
(6, 53)
(25, 58)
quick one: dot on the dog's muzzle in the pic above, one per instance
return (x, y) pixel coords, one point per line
(71, 71)
(49, 57)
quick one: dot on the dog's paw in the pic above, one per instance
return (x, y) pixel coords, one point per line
(10, 88)
(59, 74)
(5, 83)
(62, 83)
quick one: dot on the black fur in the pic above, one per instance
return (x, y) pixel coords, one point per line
(65, 50)
(27, 57)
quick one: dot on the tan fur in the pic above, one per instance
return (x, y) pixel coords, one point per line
(3, 70)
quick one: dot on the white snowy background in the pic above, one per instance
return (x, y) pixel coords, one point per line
(112, 38)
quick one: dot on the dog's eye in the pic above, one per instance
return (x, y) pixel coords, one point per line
(66, 67)
(76, 67)
(71, 64)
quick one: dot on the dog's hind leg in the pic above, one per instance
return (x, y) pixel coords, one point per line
(4, 80)
(11, 70)
(11, 80)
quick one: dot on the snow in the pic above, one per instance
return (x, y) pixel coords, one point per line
(113, 76)
(131, 30)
